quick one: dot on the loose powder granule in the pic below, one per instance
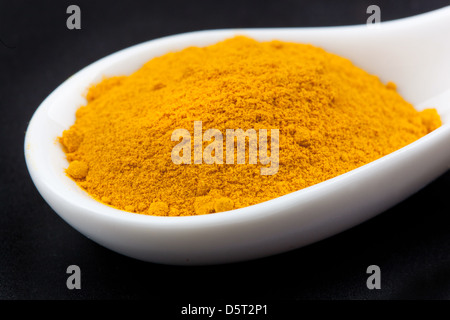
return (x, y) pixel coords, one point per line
(77, 169)
(332, 117)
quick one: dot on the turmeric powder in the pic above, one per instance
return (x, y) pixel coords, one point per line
(332, 117)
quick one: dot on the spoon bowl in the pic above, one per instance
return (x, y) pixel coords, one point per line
(413, 52)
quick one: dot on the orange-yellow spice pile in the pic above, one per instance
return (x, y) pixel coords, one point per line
(332, 117)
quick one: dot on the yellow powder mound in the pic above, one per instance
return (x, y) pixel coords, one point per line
(332, 117)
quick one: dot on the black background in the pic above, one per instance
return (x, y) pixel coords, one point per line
(410, 242)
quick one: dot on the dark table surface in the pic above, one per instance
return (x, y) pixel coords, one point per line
(410, 242)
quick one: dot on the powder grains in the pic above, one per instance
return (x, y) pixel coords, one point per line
(332, 117)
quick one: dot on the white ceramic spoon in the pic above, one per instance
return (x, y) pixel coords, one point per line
(413, 52)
